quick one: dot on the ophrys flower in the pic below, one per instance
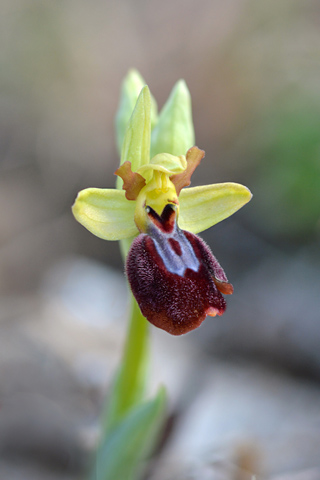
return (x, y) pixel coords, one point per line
(173, 275)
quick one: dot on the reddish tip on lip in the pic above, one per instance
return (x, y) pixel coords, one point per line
(223, 287)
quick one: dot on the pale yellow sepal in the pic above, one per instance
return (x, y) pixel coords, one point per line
(204, 206)
(106, 213)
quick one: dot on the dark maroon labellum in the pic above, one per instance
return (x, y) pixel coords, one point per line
(174, 276)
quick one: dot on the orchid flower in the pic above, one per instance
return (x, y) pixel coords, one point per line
(173, 275)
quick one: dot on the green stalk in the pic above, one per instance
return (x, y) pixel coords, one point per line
(131, 380)
(129, 385)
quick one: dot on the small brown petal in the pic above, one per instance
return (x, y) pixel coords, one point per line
(132, 181)
(193, 157)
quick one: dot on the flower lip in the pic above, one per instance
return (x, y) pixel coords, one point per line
(175, 287)
(173, 274)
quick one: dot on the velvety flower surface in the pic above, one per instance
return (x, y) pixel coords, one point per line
(173, 275)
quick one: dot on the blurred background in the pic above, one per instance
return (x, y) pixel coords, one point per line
(244, 389)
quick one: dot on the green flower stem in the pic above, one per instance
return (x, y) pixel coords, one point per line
(117, 449)
(129, 385)
(131, 381)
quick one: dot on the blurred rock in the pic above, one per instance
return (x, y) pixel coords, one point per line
(19, 470)
(58, 353)
(42, 408)
(244, 418)
(309, 474)
(88, 291)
